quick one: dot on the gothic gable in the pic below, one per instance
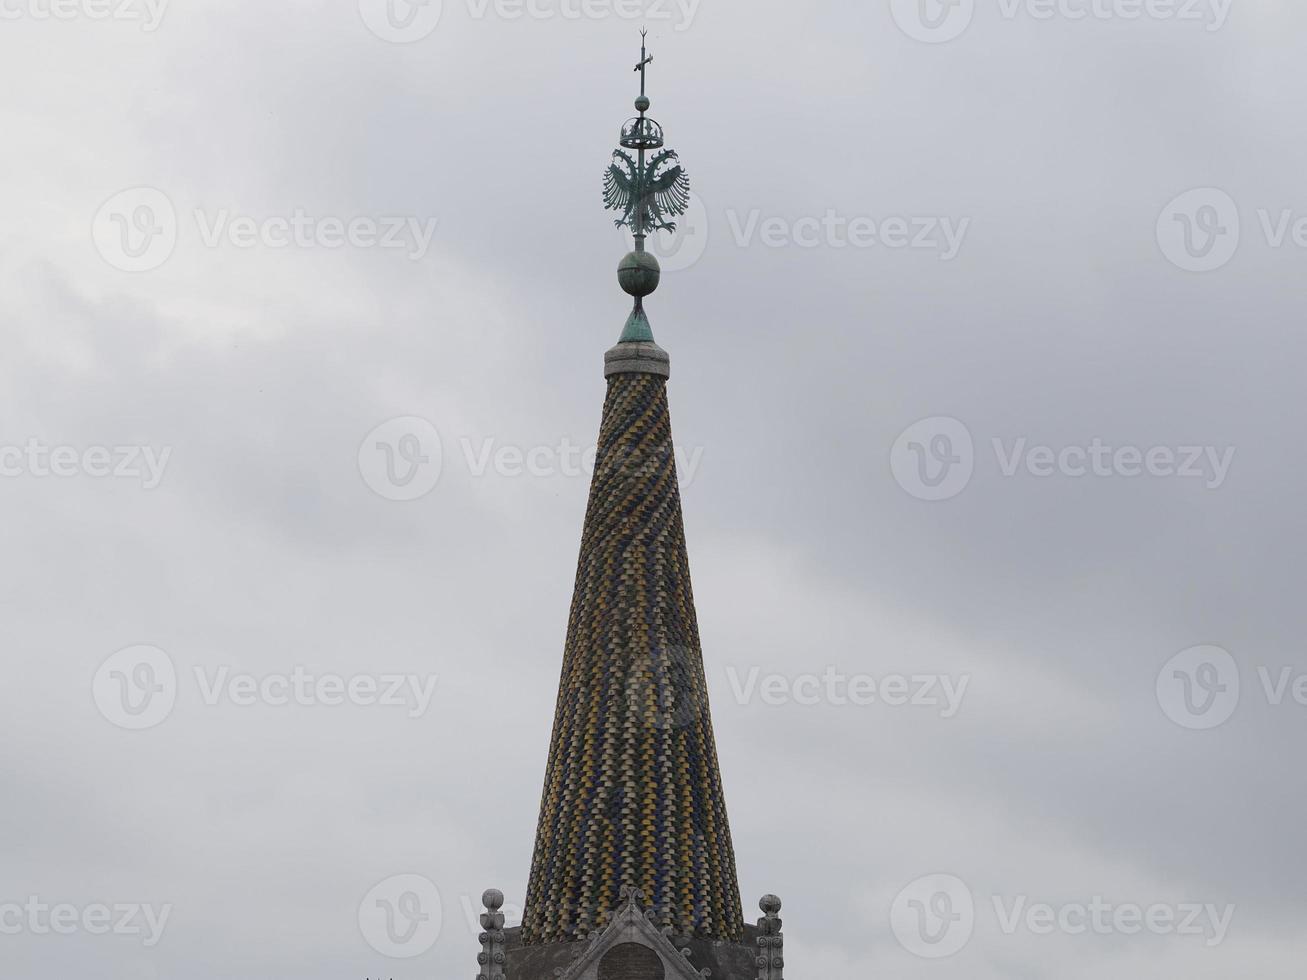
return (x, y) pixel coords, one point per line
(630, 948)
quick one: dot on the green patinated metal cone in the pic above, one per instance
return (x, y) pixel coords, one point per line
(637, 329)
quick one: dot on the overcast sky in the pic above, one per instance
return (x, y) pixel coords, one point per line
(987, 346)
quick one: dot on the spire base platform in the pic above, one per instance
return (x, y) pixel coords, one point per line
(637, 357)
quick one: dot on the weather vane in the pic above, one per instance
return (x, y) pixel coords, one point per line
(647, 191)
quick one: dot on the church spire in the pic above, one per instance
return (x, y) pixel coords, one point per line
(633, 797)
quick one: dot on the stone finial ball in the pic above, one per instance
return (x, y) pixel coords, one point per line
(493, 899)
(770, 904)
(639, 273)
(642, 103)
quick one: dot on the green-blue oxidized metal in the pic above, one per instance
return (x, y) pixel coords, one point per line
(647, 192)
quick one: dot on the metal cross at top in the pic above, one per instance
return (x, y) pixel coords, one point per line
(646, 59)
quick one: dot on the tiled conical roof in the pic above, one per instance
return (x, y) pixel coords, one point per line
(633, 796)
